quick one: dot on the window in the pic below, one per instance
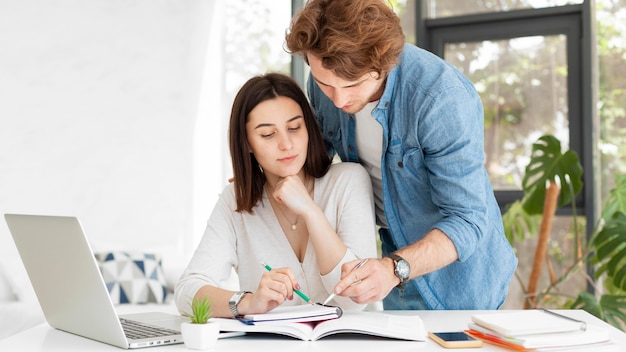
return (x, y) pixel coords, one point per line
(245, 39)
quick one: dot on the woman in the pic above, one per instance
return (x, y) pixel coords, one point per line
(288, 207)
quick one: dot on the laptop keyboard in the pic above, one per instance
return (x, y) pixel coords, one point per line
(138, 330)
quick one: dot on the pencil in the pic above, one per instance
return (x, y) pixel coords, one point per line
(495, 340)
(332, 295)
(298, 292)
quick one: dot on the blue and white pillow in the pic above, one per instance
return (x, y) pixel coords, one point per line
(133, 277)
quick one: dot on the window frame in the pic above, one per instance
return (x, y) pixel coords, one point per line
(299, 71)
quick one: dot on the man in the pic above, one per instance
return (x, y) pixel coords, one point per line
(416, 124)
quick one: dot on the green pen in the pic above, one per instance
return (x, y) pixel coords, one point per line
(298, 292)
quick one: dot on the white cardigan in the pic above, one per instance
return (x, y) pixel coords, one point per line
(241, 240)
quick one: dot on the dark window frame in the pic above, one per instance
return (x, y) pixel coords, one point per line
(298, 69)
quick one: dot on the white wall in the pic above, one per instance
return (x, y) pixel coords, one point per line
(98, 114)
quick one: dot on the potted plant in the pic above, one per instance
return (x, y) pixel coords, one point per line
(200, 333)
(605, 250)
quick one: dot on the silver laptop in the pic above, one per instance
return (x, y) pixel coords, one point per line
(70, 288)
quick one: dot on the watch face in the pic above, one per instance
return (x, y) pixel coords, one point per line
(402, 269)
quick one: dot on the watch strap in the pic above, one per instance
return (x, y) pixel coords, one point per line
(234, 301)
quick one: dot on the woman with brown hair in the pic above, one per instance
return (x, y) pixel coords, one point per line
(288, 206)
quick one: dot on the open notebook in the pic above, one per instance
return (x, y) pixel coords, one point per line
(386, 325)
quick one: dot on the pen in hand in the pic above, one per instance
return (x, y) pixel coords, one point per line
(332, 295)
(298, 292)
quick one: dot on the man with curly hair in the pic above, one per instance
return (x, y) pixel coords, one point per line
(416, 124)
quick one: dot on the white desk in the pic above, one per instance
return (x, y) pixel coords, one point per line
(45, 338)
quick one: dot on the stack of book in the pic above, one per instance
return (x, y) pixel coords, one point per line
(535, 329)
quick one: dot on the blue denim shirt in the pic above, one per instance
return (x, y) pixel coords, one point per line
(433, 177)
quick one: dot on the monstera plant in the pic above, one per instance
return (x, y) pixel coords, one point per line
(553, 179)
(608, 246)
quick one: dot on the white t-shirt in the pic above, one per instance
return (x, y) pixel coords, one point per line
(242, 240)
(369, 144)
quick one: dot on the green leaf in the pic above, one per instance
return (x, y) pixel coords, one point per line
(610, 308)
(617, 198)
(589, 303)
(549, 164)
(518, 224)
(614, 309)
(610, 250)
(200, 311)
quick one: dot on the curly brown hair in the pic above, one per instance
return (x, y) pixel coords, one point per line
(350, 37)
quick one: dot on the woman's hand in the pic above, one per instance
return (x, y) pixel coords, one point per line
(291, 192)
(275, 287)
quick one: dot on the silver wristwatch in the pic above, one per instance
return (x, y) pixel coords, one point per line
(234, 302)
(401, 268)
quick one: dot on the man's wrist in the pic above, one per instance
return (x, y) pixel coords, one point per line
(401, 269)
(391, 269)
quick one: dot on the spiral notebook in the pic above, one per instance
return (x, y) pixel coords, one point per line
(294, 314)
(526, 322)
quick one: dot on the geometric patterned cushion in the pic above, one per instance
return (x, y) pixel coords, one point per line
(133, 277)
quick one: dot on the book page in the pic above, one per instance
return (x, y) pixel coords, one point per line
(300, 331)
(405, 327)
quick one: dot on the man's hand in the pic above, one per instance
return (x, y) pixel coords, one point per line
(370, 283)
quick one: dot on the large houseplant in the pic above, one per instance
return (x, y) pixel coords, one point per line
(200, 333)
(552, 180)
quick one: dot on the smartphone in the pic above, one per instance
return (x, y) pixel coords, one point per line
(455, 339)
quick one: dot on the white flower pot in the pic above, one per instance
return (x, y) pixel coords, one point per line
(200, 336)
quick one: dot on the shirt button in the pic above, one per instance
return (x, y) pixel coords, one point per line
(386, 104)
(400, 164)
(330, 133)
(350, 148)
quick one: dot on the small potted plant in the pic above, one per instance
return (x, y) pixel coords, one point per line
(200, 333)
